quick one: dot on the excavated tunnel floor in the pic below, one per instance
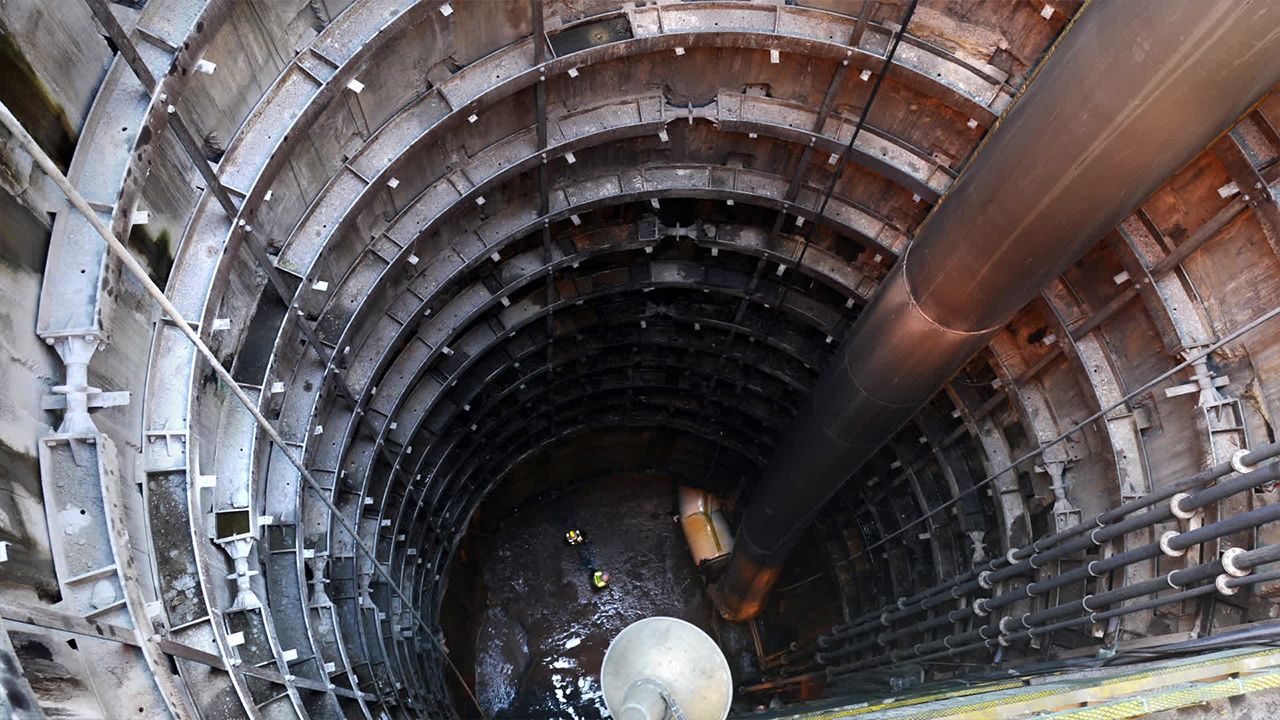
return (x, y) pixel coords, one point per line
(525, 625)
(523, 614)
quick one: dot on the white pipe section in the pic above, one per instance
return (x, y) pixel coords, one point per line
(643, 702)
(704, 525)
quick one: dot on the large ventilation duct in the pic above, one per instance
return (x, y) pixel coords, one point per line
(1134, 90)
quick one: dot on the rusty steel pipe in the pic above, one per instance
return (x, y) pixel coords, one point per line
(1133, 91)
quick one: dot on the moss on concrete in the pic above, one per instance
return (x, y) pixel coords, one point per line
(156, 251)
(30, 101)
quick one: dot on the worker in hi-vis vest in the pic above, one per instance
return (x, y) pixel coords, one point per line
(600, 579)
(573, 537)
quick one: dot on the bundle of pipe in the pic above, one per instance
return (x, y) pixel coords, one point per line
(1099, 127)
(1087, 610)
(1228, 570)
(963, 584)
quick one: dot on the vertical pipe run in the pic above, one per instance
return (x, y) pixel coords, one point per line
(1133, 91)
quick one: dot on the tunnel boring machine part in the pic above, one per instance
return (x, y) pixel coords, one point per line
(1132, 91)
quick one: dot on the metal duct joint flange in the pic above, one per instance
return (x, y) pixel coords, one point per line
(1237, 462)
(1177, 511)
(1220, 583)
(1228, 562)
(1164, 544)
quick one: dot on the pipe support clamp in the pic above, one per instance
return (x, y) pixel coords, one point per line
(1237, 462)
(1229, 564)
(980, 607)
(1164, 544)
(1220, 582)
(1178, 512)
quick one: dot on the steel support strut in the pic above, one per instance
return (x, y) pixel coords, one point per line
(140, 274)
(1043, 188)
(183, 133)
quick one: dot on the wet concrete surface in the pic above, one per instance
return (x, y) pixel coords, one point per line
(538, 630)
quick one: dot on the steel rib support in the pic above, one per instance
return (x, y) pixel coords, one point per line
(544, 179)
(183, 133)
(853, 139)
(802, 172)
(29, 145)
(1255, 323)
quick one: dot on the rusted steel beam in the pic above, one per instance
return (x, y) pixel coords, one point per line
(66, 622)
(864, 16)
(1254, 188)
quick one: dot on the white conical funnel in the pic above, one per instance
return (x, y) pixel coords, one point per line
(674, 654)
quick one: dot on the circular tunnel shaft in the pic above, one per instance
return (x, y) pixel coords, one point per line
(495, 271)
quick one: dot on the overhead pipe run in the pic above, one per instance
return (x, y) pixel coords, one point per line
(1132, 91)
